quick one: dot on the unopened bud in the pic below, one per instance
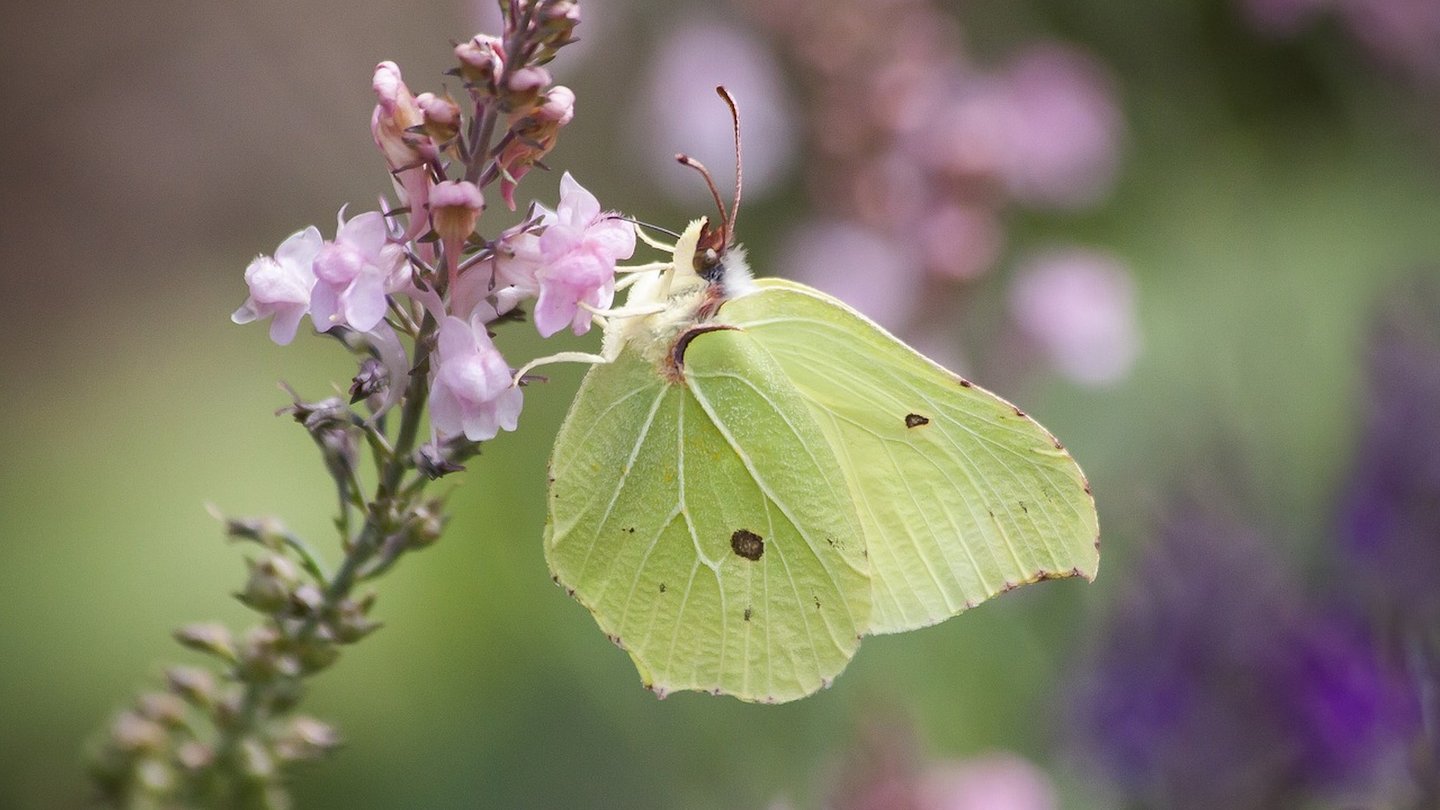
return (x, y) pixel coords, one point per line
(262, 655)
(317, 654)
(442, 116)
(557, 23)
(523, 88)
(255, 760)
(369, 381)
(426, 524)
(267, 531)
(154, 775)
(208, 637)
(306, 738)
(272, 580)
(396, 113)
(455, 207)
(227, 710)
(195, 685)
(132, 733)
(163, 708)
(481, 61)
(327, 413)
(557, 107)
(433, 462)
(350, 622)
(307, 599)
(194, 755)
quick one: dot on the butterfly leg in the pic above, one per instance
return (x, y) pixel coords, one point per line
(560, 357)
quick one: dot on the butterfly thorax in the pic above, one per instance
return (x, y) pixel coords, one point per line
(691, 288)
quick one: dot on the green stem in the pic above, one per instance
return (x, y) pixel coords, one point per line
(252, 710)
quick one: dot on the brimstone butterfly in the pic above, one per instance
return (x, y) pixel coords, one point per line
(753, 476)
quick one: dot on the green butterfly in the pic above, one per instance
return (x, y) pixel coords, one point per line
(753, 476)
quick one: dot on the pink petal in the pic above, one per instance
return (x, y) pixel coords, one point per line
(553, 311)
(364, 302)
(577, 205)
(300, 247)
(445, 410)
(286, 324)
(324, 305)
(614, 236)
(367, 233)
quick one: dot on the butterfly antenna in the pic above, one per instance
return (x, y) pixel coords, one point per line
(643, 224)
(739, 175)
(686, 160)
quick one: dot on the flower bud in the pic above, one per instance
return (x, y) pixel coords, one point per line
(350, 622)
(426, 524)
(317, 654)
(481, 61)
(208, 638)
(523, 88)
(396, 114)
(262, 655)
(271, 582)
(163, 708)
(455, 207)
(194, 684)
(557, 23)
(194, 755)
(154, 775)
(306, 738)
(255, 760)
(372, 379)
(534, 131)
(441, 114)
(557, 107)
(434, 462)
(267, 531)
(407, 152)
(307, 599)
(318, 415)
(133, 733)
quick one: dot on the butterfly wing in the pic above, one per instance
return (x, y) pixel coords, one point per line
(706, 525)
(961, 495)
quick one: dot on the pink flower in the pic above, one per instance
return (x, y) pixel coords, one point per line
(280, 287)
(999, 781)
(1079, 307)
(354, 273)
(578, 250)
(455, 207)
(702, 51)
(494, 287)
(407, 153)
(535, 134)
(472, 391)
(1065, 141)
(859, 266)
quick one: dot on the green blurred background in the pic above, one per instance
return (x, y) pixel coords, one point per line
(1269, 190)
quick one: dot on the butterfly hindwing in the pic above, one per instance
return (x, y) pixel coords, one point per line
(707, 526)
(961, 496)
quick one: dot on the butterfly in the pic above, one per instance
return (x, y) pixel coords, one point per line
(754, 475)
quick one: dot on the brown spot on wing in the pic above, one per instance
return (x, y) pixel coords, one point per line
(914, 420)
(747, 544)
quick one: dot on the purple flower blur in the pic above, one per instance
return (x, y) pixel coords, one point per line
(1347, 711)
(1218, 685)
(1390, 519)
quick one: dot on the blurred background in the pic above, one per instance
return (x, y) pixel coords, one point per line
(1199, 240)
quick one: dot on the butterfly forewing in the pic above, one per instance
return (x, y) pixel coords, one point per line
(960, 495)
(706, 524)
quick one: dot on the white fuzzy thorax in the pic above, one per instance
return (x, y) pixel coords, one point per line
(677, 294)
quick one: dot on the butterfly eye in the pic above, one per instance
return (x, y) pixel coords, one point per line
(707, 263)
